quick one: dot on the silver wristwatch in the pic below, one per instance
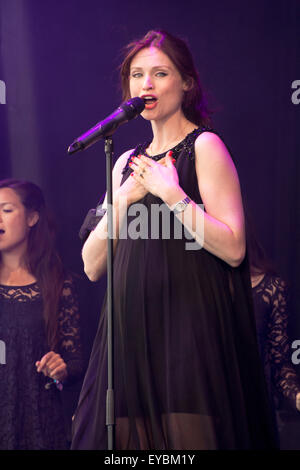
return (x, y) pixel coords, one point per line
(181, 205)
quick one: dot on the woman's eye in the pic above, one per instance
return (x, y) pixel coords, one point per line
(161, 74)
(136, 75)
(7, 210)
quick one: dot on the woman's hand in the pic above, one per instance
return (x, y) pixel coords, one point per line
(52, 365)
(134, 189)
(156, 177)
(130, 191)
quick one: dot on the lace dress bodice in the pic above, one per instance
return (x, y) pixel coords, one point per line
(31, 416)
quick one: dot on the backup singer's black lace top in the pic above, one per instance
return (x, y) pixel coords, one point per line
(271, 313)
(31, 417)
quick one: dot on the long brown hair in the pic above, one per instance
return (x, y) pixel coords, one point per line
(42, 259)
(194, 105)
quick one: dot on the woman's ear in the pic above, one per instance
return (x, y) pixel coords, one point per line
(32, 218)
(188, 84)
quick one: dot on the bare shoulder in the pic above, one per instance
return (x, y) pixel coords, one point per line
(211, 145)
(122, 159)
(216, 172)
(119, 165)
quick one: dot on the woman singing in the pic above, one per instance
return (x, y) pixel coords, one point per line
(187, 368)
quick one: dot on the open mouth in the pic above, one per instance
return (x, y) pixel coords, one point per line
(2, 231)
(149, 100)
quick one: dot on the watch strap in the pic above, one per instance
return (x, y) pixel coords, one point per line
(181, 205)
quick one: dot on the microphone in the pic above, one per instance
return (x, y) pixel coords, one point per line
(126, 111)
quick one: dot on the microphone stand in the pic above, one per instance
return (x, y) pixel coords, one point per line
(106, 128)
(110, 414)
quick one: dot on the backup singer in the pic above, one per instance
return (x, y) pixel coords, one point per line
(39, 324)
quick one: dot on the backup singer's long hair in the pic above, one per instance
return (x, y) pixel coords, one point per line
(194, 105)
(42, 259)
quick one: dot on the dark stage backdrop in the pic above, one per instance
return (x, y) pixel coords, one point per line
(59, 76)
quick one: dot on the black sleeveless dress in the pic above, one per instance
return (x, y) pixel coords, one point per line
(187, 369)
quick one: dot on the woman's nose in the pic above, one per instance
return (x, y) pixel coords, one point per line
(147, 83)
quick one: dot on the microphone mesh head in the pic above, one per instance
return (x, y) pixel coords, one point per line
(133, 107)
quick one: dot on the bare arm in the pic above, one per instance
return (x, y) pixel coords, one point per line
(224, 233)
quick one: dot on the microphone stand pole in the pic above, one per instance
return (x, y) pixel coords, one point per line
(110, 414)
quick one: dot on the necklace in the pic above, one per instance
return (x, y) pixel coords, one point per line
(169, 146)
